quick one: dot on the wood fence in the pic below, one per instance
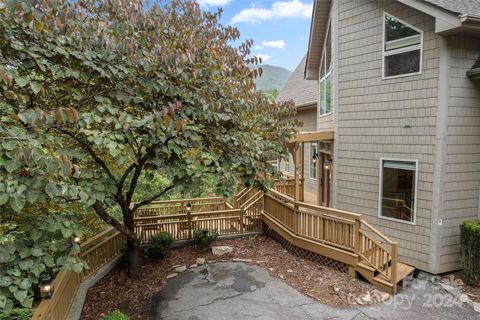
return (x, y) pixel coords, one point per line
(96, 251)
(169, 207)
(227, 219)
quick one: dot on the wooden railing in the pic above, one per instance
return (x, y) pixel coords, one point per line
(168, 207)
(226, 218)
(287, 185)
(340, 229)
(96, 251)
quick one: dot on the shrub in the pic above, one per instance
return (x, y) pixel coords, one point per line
(17, 314)
(116, 315)
(470, 247)
(205, 237)
(159, 245)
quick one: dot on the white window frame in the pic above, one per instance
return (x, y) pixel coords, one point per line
(380, 192)
(401, 50)
(328, 71)
(315, 165)
(286, 164)
(325, 97)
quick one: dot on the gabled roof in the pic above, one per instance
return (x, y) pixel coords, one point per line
(474, 73)
(302, 92)
(451, 17)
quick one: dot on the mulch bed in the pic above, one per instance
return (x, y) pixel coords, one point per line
(135, 297)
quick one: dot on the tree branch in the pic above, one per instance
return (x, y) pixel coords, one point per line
(102, 213)
(158, 195)
(92, 153)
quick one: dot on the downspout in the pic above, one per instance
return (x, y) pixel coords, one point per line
(437, 216)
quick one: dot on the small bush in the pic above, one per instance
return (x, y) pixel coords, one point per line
(470, 247)
(205, 237)
(17, 314)
(159, 245)
(252, 241)
(116, 315)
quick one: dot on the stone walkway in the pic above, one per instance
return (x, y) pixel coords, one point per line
(238, 291)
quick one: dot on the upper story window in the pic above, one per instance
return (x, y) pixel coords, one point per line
(325, 97)
(402, 48)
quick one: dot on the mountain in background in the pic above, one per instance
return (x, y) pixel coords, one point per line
(272, 78)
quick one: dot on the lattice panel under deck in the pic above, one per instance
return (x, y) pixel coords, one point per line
(305, 254)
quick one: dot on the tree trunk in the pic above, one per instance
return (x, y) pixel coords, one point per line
(133, 254)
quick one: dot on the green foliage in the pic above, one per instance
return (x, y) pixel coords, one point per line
(159, 245)
(92, 102)
(470, 248)
(17, 314)
(116, 315)
(205, 237)
(29, 250)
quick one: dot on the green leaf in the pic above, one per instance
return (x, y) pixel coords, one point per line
(48, 260)
(11, 165)
(3, 198)
(25, 264)
(17, 202)
(51, 189)
(32, 196)
(35, 86)
(37, 252)
(22, 82)
(25, 253)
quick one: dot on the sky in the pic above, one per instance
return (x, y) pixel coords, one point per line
(279, 28)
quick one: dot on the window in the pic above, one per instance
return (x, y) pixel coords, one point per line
(313, 161)
(286, 163)
(402, 48)
(325, 97)
(398, 185)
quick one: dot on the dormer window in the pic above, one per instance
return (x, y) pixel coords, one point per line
(402, 48)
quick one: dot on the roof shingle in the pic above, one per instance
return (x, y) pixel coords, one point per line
(302, 92)
(458, 6)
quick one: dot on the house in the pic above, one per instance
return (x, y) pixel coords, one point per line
(304, 94)
(399, 108)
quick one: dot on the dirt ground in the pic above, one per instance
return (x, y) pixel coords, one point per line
(134, 297)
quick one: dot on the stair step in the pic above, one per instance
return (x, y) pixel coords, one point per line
(403, 270)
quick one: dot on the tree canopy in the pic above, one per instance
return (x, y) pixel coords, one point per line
(96, 93)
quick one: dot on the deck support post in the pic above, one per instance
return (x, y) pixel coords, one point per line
(242, 213)
(296, 161)
(302, 170)
(357, 235)
(394, 266)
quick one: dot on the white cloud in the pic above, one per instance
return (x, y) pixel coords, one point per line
(213, 3)
(258, 48)
(278, 44)
(265, 57)
(279, 10)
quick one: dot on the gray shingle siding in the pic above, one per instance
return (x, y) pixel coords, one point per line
(462, 162)
(373, 115)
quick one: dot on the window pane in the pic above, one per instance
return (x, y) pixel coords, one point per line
(396, 30)
(321, 97)
(398, 193)
(328, 94)
(402, 63)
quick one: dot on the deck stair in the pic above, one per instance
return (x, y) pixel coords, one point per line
(337, 235)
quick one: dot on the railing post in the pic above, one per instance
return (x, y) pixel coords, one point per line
(358, 223)
(242, 213)
(394, 266)
(189, 221)
(295, 218)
